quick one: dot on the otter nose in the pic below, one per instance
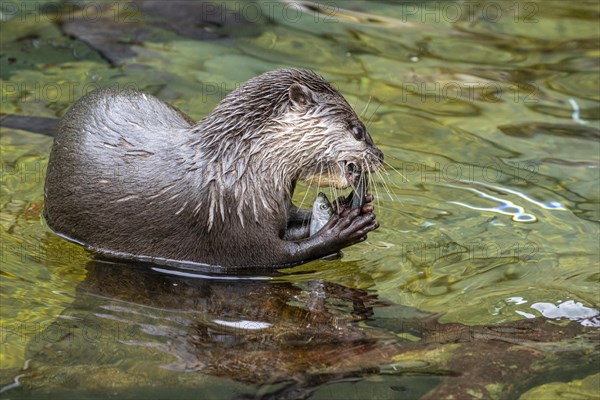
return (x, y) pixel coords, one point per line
(378, 154)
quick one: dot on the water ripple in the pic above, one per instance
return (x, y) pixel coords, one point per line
(507, 207)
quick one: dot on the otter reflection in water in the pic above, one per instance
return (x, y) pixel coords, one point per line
(143, 332)
(150, 326)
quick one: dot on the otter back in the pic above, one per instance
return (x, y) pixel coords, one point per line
(113, 171)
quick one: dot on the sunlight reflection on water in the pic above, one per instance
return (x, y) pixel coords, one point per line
(507, 207)
(569, 309)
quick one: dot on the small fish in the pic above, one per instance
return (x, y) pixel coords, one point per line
(321, 212)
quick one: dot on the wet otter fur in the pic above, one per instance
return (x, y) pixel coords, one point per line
(132, 177)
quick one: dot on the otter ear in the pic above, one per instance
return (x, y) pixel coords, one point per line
(300, 95)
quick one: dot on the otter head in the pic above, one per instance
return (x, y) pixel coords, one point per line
(280, 127)
(277, 128)
(331, 145)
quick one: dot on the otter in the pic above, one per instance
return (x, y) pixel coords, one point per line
(131, 177)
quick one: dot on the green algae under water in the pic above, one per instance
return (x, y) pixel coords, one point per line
(488, 115)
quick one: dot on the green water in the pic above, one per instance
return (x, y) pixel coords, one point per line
(488, 115)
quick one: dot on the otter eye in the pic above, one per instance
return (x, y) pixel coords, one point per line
(358, 132)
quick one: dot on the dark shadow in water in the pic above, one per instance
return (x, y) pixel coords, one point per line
(560, 130)
(135, 332)
(285, 339)
(121, 27)
(42, 125)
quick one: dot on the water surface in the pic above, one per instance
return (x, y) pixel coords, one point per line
(482, 280)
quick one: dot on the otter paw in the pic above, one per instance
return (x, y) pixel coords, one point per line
(349, 228)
